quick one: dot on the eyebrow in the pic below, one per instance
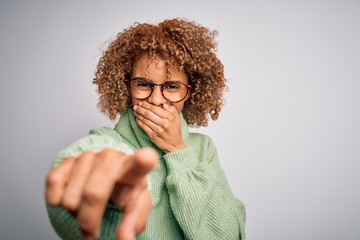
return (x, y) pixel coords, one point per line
(149, 80)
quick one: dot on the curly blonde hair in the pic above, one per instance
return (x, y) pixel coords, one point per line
(191, 46)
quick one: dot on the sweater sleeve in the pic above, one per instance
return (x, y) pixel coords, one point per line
(63, 223)
(200, 196)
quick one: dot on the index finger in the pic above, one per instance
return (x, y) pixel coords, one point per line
(56, 181)
(156, 110)
(106, 173)
(142, 162)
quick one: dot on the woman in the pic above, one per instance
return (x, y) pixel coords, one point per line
(149, 176)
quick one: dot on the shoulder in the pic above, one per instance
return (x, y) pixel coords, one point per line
(200, 137)
(105, 131)
(102, 131)
(201, 141)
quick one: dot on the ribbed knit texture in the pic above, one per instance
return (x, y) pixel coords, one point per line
(191, 196)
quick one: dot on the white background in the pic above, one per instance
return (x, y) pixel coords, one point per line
(288, 136)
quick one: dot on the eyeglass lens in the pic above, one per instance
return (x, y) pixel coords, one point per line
(173, 91)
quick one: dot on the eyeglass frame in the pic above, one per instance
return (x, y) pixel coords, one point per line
(159, 85)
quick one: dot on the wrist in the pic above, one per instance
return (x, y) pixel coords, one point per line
(170, 148)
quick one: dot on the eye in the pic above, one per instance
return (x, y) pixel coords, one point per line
(172, 86)
(142, 84)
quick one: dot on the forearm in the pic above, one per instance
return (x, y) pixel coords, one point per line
(63, 223)
(201, 198)
(66, 226)
(96, 141)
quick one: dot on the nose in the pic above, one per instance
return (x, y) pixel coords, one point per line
(156, 98)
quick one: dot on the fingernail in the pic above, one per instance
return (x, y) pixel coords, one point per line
(135, 107)
(140, 104)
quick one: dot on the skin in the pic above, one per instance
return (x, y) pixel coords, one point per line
(84, 185)
(159, 118)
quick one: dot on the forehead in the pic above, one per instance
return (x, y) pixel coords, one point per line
(157, 68)
(144, 62)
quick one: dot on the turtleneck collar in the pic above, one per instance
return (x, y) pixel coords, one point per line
(130, 131)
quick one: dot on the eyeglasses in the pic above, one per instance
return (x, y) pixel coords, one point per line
(173, 91)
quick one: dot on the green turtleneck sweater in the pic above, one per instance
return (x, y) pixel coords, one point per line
(190, 194)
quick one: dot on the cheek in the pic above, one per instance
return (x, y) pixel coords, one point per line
(134, 101)
(179, 106)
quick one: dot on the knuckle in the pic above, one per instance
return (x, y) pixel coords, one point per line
(93, 195)
(107, 153)
(147, 114)
(53, 178)
(69, 203)
(152, 135)
(86, 155)
(139, 122)
(171, 118)
(160, 131)
(141, 119)
(166, 125)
